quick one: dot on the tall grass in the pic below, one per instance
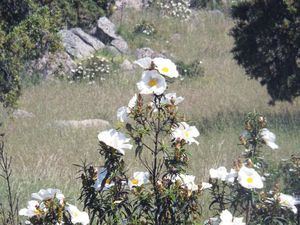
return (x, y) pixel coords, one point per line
(43, 153)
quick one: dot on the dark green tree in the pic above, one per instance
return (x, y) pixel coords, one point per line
(267, 44)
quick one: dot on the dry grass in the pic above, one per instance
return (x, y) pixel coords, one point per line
(43, 154)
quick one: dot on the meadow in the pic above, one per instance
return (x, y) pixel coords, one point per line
(44, 154)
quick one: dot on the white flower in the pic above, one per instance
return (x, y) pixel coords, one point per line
(133, 101)
(122, 114)
(138, 179)
(47, 194)
(187, 181)
(220, 173)
(152, 82)
(206, 185)
(115, 139)
(77, 216)
(287, 201)
(186, 132)
(269, 138)
(31, 210)
(227, 219)
(145, 63)
(230, 178)
(249, 178)
(102, 172)
(166, 67)
(171, 99)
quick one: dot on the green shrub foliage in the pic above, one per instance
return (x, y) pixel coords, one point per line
(267, 43)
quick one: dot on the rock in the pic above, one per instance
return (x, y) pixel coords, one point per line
(74, 45)
(51, 64)
(147, 52)
(106, 30)
(90, 40)
(126, 65)
(81, 124)
(19, 113)
(121, 45)
(112, 50)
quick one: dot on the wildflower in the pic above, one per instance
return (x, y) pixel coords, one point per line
(102, 173)
(187, 181)
(186, 132)
(227, 219)
(220, 173)
(171, 99)
(205, 185)
(115, 139)
(166, 67)
(132, 102)
(139, 178)
(31, 210)
(269, 138)
(77, 216)
(287, 201)
(230, 178)
(249, 178)
(152, 82)
(47, 194)
(122, 114)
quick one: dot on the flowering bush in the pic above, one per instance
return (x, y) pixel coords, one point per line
(244, 190)
(162, 192)
(174, 8)
(145, 28)
(193, 69)
(48, 207)
(94, 68)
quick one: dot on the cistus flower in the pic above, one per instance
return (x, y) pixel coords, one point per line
(227, 219)
(171, 99)
(185, 132)
(287, 201)
(31, 210)
(145, 63)
(122, 114)
(166, 67)
(115, 139)
(132, 102)
(219, 173)
(186, 181)
(47, 194)
(269, 138)
(138, 179)
(249, 178)
(205, 185)
(152, 83)
(230, 178)
(77, 217)
(101, 175)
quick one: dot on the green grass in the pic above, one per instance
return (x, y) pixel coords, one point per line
(43, 155)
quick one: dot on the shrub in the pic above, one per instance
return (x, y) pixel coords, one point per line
(267, 44)
(174, 8)
(145, 28)
(193, 69)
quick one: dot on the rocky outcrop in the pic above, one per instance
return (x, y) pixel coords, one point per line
(105, 30)
(90, 40)
(147, 52)
(82, 124)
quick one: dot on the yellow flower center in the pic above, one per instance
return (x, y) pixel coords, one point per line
(152, 82)
(107, 181)
(134, 181)
(186, 134)
(165, 70)
(250, 180)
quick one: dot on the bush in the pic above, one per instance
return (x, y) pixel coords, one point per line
(267, 43)
(145, 28)
(193, 69)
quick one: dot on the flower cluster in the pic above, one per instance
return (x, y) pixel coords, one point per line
(146, 195)
(94, 68)
(175, 8)
(48, 206)
(244, 188)
(145, 28)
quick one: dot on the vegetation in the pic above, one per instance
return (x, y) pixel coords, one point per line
(267, 45)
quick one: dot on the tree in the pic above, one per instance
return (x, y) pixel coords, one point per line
(267, 44)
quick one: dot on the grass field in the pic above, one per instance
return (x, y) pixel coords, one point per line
(43, 154)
